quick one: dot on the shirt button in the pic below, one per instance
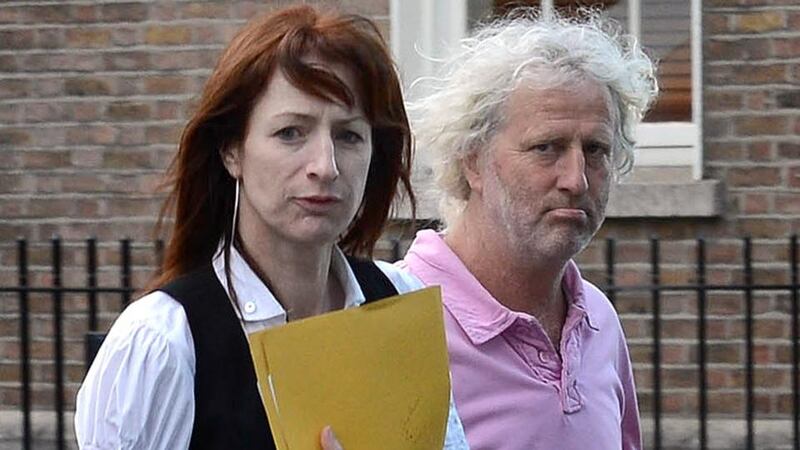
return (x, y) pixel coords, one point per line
(250, 307)
(543, 357)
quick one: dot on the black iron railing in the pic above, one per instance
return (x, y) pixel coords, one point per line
(57, 290)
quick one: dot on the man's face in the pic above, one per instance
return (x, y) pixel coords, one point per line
(543, 181)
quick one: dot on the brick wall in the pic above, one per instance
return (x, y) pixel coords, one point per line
(93, 96)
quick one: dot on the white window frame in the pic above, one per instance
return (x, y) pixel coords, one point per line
(429, 27)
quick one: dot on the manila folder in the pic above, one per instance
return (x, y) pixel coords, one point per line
(378, 374)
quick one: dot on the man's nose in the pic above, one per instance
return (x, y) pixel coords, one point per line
(572, 170)
(322, 163)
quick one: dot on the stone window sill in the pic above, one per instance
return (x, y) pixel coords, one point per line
(702, 198)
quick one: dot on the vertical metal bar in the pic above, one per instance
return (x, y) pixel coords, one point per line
(701, 344)
(125, 275)
(656, 298)
(795, 343)
(91, 281)
(58, 338)
(610, 291)
(159, 248)
(748, 298)
(395, 250)
(24, 341)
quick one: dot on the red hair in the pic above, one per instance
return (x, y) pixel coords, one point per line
(202, 191)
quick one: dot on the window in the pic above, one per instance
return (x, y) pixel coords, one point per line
(670, 139)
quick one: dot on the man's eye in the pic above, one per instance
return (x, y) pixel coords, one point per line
(597, 149)
(546, 147)
(289, 134)
(349, 137)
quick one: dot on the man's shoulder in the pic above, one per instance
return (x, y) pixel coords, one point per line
(598, 305)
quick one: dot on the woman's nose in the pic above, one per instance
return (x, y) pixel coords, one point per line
(322, 163)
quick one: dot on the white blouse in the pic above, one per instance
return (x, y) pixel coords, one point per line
(139, 392)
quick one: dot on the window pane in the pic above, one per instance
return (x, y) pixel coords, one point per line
(666, 32)
(665, 27)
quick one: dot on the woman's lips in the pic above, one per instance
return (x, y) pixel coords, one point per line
(318, 203)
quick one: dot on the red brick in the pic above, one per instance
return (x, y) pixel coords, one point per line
(44, 159)
(771, 329)
(123, 12)
(787, 204)
(83, 62)
(754, 176)
(9, 63)
(92, 134)
(83, 13)
(739, 49)
(166, 84)
(126, 111)
(724, 353)
(204, 10)
(127, 159)
(50, 38)
(127, 60)
(794, 176)
(17, 39)
(786, 47)
(724, 151)
(723, 101)
(764, 228)
(88, 38)
(13, 137)
(755, 203)
(715, 23)
(789, 99)
(86, 86)
(14, 88)
(125, 36)
(760, 151)
(761, 125)
(760, 22)
(168, 35)
(789, 150)
(758, 74)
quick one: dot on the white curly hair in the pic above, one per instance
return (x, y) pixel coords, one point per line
(463, 107)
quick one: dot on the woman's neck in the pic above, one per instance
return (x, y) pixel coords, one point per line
(300, 276)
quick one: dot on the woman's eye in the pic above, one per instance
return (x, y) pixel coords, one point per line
(349, 137)
(289, 134)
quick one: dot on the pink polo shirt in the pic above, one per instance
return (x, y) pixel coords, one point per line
(511, 390)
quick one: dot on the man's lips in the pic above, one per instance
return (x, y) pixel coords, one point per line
(569, 213)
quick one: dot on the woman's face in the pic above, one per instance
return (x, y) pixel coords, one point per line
(303, 165)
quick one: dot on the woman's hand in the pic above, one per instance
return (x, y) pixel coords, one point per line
(328, 440)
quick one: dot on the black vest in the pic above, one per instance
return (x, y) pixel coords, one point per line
(228, 412)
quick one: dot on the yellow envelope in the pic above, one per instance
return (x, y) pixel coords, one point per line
(378, 374)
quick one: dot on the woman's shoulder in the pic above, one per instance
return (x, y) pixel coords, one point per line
(402, 279)
(155, 319)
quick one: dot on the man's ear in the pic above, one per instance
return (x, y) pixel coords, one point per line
(471, 167)
(231, 159)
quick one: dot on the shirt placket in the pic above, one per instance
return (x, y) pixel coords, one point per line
(571, 397)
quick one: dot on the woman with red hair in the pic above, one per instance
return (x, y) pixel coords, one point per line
(291, 161)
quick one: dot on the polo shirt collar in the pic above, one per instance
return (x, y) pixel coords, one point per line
(478, 313)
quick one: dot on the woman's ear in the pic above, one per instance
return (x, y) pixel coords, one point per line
(231, 159)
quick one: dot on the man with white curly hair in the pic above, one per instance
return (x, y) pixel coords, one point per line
(530, 123)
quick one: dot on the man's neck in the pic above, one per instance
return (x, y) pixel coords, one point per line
(520, 283)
